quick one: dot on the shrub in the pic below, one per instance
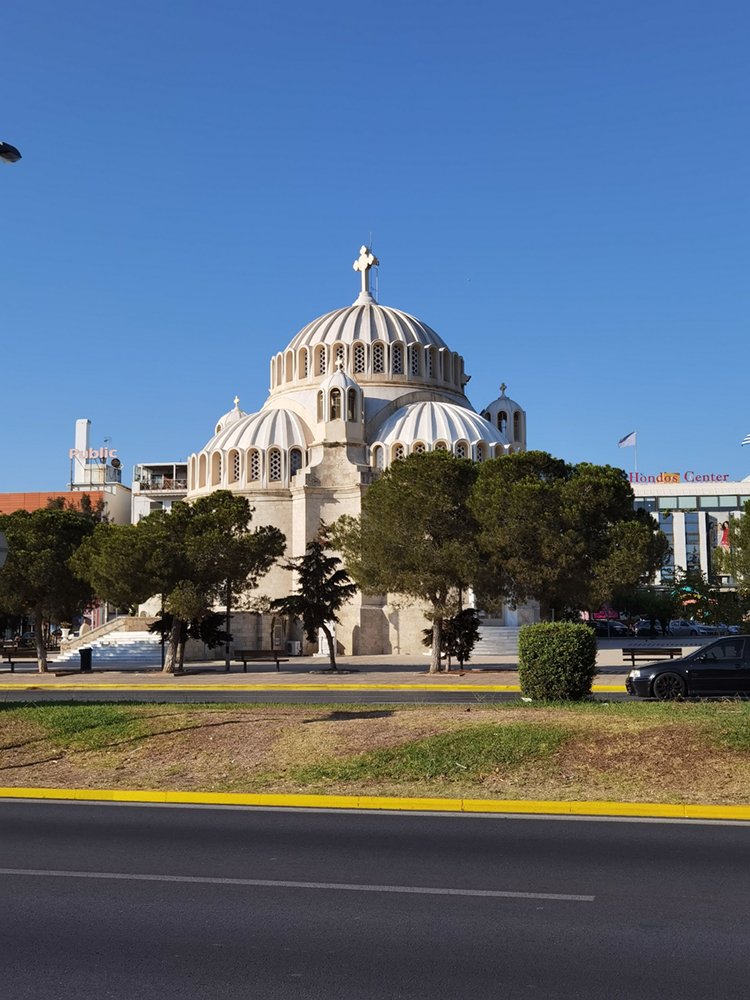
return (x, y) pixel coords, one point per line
(556, 661)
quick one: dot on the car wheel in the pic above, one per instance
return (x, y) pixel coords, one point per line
(667, 687)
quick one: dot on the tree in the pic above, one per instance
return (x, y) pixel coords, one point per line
(416, 536)
(565, 535)
(459, 635)
(38, 579)
(323, 587)
(194, 555)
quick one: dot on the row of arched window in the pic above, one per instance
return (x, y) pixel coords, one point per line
(369, 360)
(382, 454)
(342, 404)
(237, 467)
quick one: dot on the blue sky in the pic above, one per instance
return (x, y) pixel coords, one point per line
(559, 189)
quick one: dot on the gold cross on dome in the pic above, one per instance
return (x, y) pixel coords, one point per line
(363, 263)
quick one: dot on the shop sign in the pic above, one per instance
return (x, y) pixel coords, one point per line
(679, 477)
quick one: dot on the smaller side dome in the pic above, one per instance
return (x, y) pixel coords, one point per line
(340, 398)
(230, 418)
(508, 417)
(436, 426)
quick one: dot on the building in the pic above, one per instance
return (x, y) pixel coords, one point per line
(693, 509)
(156, 486)
(353, 391)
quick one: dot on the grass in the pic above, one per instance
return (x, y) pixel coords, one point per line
(471, 752)
(633, 751)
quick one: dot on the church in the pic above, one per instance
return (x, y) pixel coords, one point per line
(355, 390)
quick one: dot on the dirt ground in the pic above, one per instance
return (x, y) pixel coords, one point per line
(671, 754)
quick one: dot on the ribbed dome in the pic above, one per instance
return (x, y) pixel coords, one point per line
(267, 429)
(368, 322)
(233, 417)
(434, 421)
(339, 380)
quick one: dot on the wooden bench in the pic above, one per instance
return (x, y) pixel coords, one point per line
(20, 653)
(649, 653)
(259, 656)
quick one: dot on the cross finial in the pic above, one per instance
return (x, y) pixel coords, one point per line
(363, 263)
(503, 387)
(236, 402)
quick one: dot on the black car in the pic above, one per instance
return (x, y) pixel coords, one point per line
(721, 667)
(611, 629)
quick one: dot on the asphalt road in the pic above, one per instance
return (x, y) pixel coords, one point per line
(120, 902)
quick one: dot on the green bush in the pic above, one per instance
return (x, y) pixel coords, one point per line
(556, 661)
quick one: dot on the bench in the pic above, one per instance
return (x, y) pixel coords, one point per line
(649, 653)
(259, 656)
(14, 655)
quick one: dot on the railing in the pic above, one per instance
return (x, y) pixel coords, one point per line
(165, 484)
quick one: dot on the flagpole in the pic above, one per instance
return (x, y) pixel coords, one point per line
(635, 458)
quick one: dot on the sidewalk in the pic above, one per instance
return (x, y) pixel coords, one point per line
(483, 672)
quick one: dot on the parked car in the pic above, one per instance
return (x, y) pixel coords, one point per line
(644, 627)
(702, 629)
(611, 629)
(681, 626)
(721, 667)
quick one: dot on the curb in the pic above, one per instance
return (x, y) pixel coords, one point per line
(653, 810)
(462, 688)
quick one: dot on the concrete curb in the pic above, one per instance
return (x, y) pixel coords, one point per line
(654, 810)
(463, 688)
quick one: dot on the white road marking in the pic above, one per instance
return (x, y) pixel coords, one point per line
(282, 884)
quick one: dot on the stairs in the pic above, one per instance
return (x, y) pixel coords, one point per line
(115, 650)
(497, 640)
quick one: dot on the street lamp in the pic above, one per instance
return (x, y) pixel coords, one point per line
(8, 153)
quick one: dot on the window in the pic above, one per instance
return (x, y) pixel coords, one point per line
(480, 453)
(320, 361)
(414, 367)
(502, 421)
(234, 466)
(340, 355)
(418, 448)
(397, 359)
(359, 359)
(320, 406)
(335, 404)
(516, 426)
(202, 471)
(304, 363)
(430, 361)
(441, 446)
(295, 461)
(351, 405)
(253, 466)
(687, 503)
(289, 373)
(378, 359)
(274, 465)
(215, 468)
(377, 457)
(460, 450)
(398, 452)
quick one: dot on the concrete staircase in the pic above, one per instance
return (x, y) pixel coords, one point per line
(115, 649)
(497, 640)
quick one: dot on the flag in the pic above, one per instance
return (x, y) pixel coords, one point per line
(746, 439)
(629, 441)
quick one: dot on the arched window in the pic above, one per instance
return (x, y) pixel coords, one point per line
(274, 465)
(202, 471)
(279, 368)
(441, 446)
(320, 406)
(414, 366)
(340, 356)
(233, 466)
(377, 457)
(499, 450)
(295, 461)
(378, 359)
(359, 359)
(320, 360)
(289, 373)
(430, 363)
(303, 363)
(418, 448)
(516, 426)
(485, 414)
(456, 370)
(335, 404)
(461, 450)
(502, 421)
(510, 451)
(398, 452)
(397, 359)
(480, 453)
(351, 405)
(191, 476)
(253, 466)
(216, 468)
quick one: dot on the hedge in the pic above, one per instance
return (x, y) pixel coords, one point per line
(556, 661)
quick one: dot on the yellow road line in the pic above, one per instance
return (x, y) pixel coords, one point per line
(463, 688)
(655, 810)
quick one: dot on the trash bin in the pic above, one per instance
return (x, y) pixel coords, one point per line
(85, 653)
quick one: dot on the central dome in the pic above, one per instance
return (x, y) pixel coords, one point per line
(368, 323)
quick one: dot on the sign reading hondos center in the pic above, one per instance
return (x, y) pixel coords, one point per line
(639, 478)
